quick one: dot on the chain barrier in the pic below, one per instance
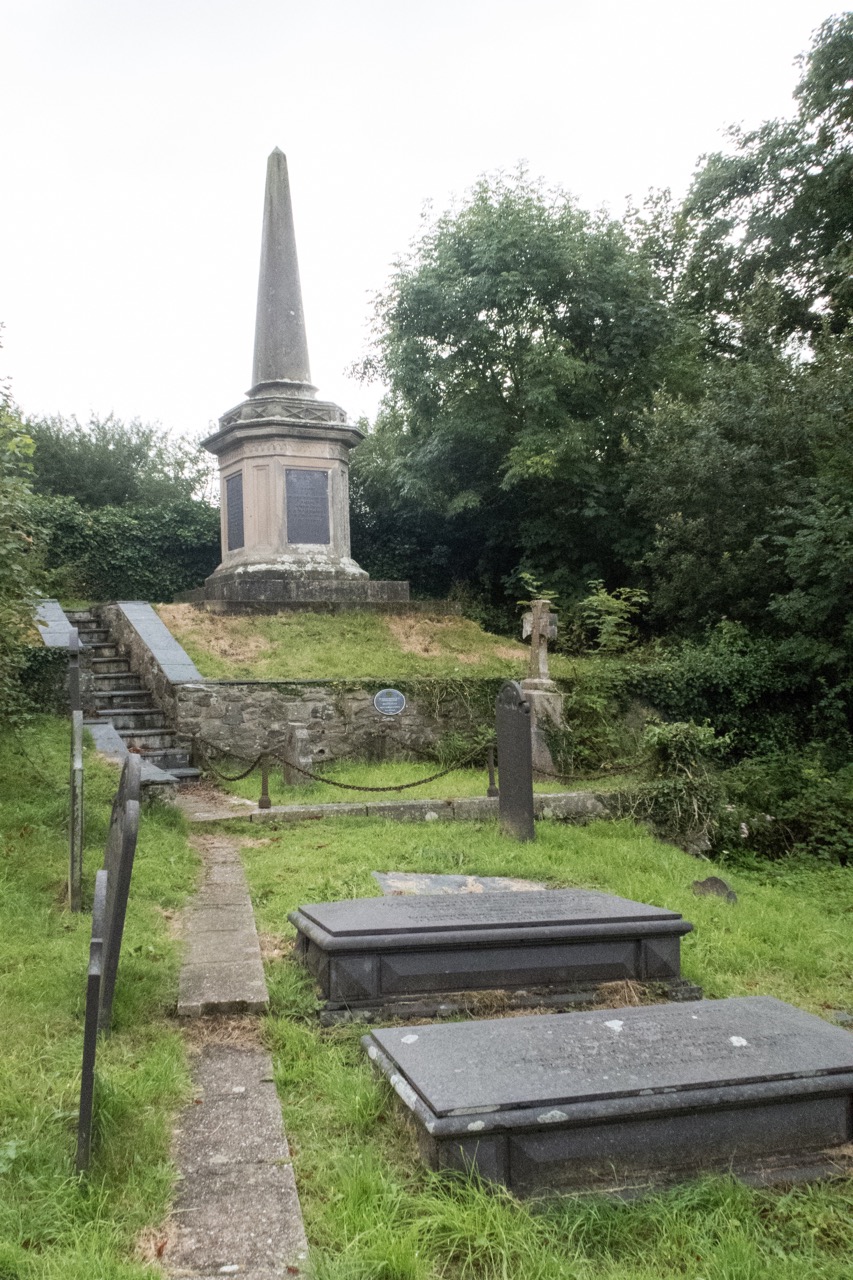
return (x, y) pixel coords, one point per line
(274, 754)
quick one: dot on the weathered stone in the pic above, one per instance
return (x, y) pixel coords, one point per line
(620, 1098)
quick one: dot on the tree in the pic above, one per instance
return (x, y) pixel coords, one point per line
(521, 338)
(775, 210)
(123, 509)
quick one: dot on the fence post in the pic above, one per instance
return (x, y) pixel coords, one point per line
(75, 825)
(265, 802)
(492, 790)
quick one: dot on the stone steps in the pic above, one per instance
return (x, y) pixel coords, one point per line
(121, 701)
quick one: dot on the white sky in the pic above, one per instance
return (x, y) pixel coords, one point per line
(135, 134)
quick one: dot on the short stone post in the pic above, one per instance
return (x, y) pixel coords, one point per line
(515, 762)
(75, 824)
(297, 756)
(264, 802)
(545, 699)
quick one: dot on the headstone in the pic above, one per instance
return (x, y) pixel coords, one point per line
(75, 822)
(540, 623)
(112, 884)
(118, 864)
(515, 762)
(90, 1026)
(552, 946)
(542, 694)
(617, 1099)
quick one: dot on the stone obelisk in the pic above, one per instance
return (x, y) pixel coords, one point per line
(284, 455)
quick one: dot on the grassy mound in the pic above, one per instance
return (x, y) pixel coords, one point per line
(309, 646)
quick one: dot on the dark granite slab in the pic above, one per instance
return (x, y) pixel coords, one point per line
(370, 953)
(627, 1096)
(444, 913)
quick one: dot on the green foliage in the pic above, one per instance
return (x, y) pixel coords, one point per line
(465, 747)
(110, 553)
(775, 210)
(763, 694)
(607, 617)
(789, 805)
(121, 510)
(681, 749)
(17, 578)
(107, 463)
(520, 339)
(52, 1224)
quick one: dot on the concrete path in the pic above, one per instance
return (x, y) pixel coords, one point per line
(222, 970)
(237, 1210)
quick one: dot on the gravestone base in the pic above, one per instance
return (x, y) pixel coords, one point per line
(417, 956)
(283, 588)
(495, 1002)
(621, 1100)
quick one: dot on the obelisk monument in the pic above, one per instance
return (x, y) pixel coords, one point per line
(284, 455)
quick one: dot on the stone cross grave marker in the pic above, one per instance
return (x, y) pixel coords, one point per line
(515, 762)
(540, 623)
(112, 885)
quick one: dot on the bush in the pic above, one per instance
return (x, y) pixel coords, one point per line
(784, 804)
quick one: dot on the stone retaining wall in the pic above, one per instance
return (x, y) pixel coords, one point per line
(246, 717)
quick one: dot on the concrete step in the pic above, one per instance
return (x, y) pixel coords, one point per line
(188, 774)
(167, 758)
(116, 681)
(119, 699)
(101, 649)
(149, 740)
(94, 635)
(80, 617)
(135, 718)
(110, 666)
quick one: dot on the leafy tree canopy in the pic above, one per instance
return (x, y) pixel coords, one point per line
(776, 210)
(108, 463)
(520, 339)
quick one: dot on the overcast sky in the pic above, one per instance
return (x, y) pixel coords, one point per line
(135, 136)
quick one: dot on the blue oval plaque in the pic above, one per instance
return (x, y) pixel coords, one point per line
(389, 702)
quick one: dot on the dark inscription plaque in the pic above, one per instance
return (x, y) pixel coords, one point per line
(307, 499)
(234, 510)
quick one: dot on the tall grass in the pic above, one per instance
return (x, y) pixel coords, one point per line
(52, 1223)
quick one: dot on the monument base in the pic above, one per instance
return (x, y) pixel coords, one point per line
(621, 1100)
(432, 953)
(271, 589)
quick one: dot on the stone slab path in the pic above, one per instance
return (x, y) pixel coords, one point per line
(237, 1210)
(222, 970)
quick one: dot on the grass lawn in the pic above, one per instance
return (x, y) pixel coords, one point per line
(374, 1213)
(53, 1225)
(457, 784)
(346, 646)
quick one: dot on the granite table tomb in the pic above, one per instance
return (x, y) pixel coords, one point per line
(620, 1099)
(432, 953)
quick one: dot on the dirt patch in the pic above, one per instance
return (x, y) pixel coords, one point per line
(274, 946)
(237, 1029)
(512, 653)
(415, 634)
(152, 1243)
(226, 638)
